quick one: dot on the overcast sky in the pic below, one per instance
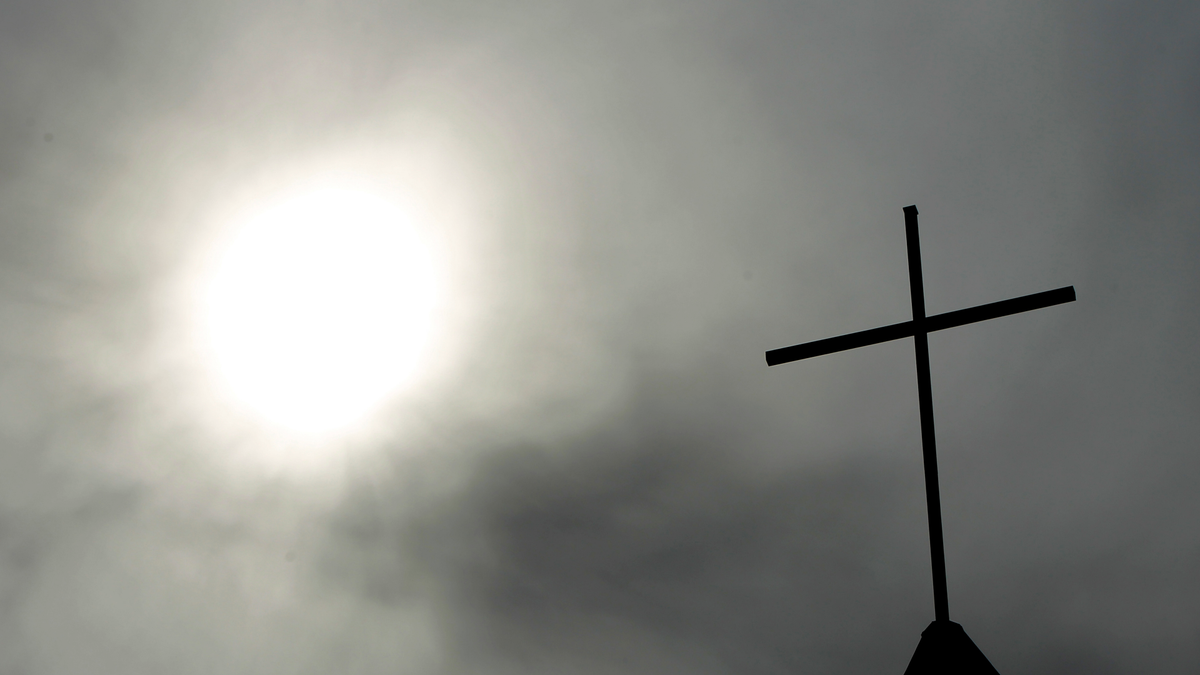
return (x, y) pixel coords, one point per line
(599, 474)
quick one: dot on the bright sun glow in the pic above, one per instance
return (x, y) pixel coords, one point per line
(319, 309)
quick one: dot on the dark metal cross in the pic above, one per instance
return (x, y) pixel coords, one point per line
(919, 328)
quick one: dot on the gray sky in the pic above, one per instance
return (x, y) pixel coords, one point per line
(635, 201)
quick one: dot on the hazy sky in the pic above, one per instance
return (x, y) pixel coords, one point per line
(598, 473)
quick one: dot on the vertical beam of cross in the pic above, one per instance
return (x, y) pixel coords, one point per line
(933, 498)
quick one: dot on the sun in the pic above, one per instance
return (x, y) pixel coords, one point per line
(319, 308)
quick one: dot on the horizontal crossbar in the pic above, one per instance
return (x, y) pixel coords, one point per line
(933, 323)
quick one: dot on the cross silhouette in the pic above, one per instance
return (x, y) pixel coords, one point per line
(944, 644)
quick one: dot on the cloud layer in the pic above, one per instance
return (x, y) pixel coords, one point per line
(599, 474)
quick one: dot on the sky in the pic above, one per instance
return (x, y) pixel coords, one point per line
(596, 472)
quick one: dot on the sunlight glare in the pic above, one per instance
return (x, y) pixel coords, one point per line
(319, 309)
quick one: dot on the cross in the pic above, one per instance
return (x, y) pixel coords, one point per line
(946, 635)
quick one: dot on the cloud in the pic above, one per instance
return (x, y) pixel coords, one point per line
(638, 200)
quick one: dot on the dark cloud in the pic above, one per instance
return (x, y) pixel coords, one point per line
(645, 545)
